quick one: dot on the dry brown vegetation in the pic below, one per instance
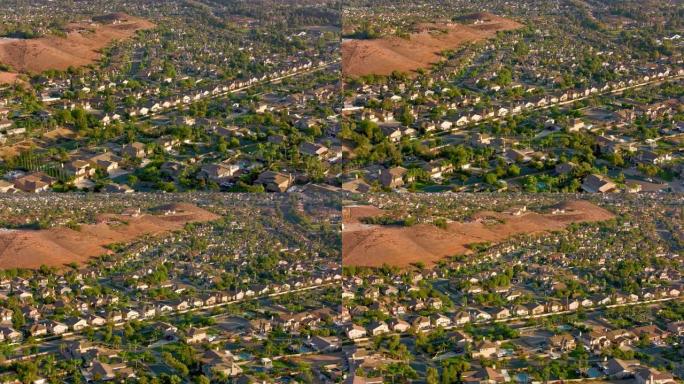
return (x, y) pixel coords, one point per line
(376, 245)
(385, 55)
(61, 245)
(10, 78)
(80, 47)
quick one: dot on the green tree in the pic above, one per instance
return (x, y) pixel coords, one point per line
(490, 178)
(432, 376)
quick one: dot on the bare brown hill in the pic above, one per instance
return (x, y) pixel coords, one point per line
(385, 55)
(375, 245)
(352, 214)
(59, 246)
(80, 47)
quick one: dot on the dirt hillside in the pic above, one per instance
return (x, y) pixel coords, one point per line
(10, 78)
(59, 246)
(375, 245)
(80, 47)
(384, 55)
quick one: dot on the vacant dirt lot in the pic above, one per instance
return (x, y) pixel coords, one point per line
(10, 78)
(374, 245)
(352, 214)
(384, 55)
(10, 151)
(80, 47)
(59, 246)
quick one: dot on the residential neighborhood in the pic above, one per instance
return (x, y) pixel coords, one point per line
(560, 96)
(598, 301)
(342, 191)
(252, 294)
(207, 99)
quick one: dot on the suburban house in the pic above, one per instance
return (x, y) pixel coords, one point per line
(647, 375)
(356, 332)
(275, 181)
(79, 169)
(134, 150)
(598, 183)
(34, 182)
(195, 336)
(313, 149)
(219, 172)
(392, 177)
(485, 350)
